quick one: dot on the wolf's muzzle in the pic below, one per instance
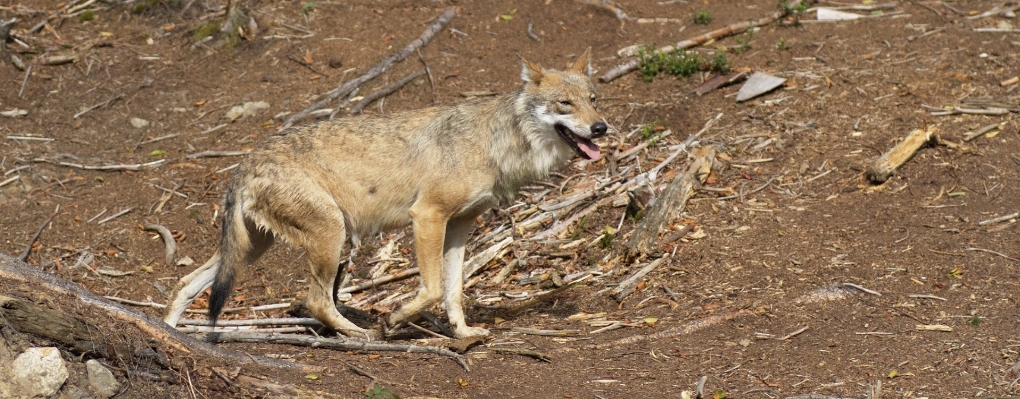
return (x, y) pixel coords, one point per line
(599, 130)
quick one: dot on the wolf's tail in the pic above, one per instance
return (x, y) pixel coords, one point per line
(235, 244)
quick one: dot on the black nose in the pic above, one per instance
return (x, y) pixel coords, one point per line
(599, 129)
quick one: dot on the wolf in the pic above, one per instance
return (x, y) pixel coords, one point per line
(435, 168)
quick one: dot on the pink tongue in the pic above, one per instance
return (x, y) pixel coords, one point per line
(589, 148)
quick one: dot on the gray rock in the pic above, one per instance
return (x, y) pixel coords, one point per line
(37, 372)
(101, 379)
(758, 84)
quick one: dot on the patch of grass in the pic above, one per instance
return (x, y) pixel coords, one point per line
(646, 131)
(678, 63)
(744, 40)
(781, 44)
(703, 17)
(308, 7)
(975, 320)
(376, 391)
(206, 30)
(86, 16)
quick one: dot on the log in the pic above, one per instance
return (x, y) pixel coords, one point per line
(18, 279)
(884, 167)
(671, 202)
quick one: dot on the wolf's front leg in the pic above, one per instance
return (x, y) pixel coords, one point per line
(457, 231)
(429, 232)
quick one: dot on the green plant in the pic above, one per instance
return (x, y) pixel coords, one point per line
(378, 392)
(87, 15)
(781, 44)
(719, 63)
(794, 11)
(975, 320)
(648, 130)
(678, 63)
(308, 7)
(744, 41)
(703, 17)
(607, 237)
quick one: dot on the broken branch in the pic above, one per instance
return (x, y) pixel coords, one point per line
(883, 167)
(375, 71)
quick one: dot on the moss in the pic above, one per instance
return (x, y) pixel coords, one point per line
(88, 15)
(206, 30)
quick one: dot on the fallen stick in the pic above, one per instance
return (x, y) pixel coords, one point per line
(114, 216)
(146, 83)
(168, 240)
(106, 168)
(210, 154)
(545, 333)
(330, 343)
(793, 334)
(385, 91)
(35, 237)
(671, 202)
(630, 284)
(15, 273)
(730, 30)
(379, 281)
(562, 225)
(477, 262)
(883, 167)
(1002, 218)
(218, 329)
(977, 133)
(622, 16)
(375, 71)
(993, 253)
(510, 311)
(523, 352)
(987, 111)
(52, 15)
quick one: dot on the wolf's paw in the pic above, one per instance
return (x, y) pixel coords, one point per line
(465, 331)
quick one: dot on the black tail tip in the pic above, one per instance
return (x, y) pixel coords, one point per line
(217, 299)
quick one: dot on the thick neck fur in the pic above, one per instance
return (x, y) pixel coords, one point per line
(523, 149)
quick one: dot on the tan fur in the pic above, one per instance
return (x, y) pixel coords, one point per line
(434, 168)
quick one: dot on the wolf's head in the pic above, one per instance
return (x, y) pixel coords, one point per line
(563, 103)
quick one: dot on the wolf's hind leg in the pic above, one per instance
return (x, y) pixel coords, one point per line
(457, 231)
(191, 286)
(324, 240)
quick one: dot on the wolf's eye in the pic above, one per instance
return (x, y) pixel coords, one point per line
(566, 103)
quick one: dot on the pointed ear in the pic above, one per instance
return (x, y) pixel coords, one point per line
(583, 63)
(530, 72)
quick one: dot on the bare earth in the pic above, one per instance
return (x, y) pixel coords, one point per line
(787, 218)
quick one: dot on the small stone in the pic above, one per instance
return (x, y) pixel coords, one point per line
(139, 123)
(247, 109)
(101, 379)
(37, 372)
(335, 63)
(185, 261)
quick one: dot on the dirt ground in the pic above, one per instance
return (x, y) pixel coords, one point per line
(787, 219)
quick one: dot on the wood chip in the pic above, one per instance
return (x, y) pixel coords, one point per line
(934, 327)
